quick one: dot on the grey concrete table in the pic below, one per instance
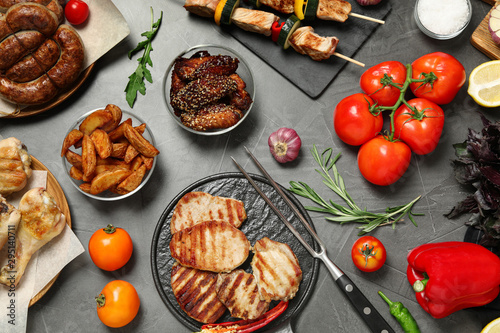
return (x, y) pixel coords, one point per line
(69, 305)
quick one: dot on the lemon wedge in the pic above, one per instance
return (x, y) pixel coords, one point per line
(492, 327)
(484, 84)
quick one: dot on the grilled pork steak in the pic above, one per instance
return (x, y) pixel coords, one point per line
(276, 270)
(196, 207)
(196, 293)
(214, 246)
(239, 292)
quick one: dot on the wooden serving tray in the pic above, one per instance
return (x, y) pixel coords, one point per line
(481, 38)
(56, 191)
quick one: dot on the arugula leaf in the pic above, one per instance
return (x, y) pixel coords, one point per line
(136, 80)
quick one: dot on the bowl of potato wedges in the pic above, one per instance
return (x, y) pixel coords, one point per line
(109, 153)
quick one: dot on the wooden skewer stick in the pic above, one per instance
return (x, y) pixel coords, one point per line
(348, 59)
(368, 18)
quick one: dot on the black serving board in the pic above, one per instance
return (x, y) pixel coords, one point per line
(261, 222)
(311, 76)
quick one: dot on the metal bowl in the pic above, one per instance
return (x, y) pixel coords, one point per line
(243, 71)
(108, 195)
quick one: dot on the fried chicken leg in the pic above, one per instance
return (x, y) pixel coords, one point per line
(9, 220)
(41, 221)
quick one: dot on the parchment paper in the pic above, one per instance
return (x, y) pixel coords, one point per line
(45, 264)
(104, 28)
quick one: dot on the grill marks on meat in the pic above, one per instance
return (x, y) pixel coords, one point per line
(213, 246)
(196, 293)
(305, 41)
(239, 292)
(206, 93)
(257, 21)
(196, 207)
(204, 8)
(276, 270)
(283, 6)
(203, 91)
(337, 10)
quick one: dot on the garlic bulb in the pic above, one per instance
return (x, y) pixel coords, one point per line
(284, 144)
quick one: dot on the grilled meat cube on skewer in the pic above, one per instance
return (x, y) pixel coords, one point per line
(305, 41)
(196, 207)
(213, 116)
(333, 10)
(213, 246)
(257, 21)
(196, 293)
(239, 292)
(276, 270)
(282, 6)
(204, 8)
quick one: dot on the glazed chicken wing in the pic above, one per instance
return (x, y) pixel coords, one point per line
(41, 221)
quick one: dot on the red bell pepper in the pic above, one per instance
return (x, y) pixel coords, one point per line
(450, 276)
(275, 30)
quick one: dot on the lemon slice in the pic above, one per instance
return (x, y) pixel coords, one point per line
(492, 327)
(484, 84)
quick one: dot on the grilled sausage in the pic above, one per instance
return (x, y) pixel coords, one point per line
(32, 16)
(33, 92)
(35, 64)
(70, 62)
(6, 4)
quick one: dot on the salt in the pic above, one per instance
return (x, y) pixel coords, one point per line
(443, 17)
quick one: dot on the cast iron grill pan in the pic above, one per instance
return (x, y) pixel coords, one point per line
(261, 222)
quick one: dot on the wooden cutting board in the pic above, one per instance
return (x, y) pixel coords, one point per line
(481, 38)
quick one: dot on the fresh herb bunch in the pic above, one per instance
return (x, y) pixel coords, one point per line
(352, 213)
(478, 164)
(136, 80)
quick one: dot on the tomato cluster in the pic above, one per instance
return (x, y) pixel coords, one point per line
(415, 125)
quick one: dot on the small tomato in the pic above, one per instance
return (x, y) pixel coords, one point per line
(76, 11)
(383, 162)
(368, 253)
(110, 248)
(117, 304)
(377, 82)
(419, 127)
(445, 82)
(353, 121)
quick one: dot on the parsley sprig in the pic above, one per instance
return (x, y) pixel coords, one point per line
(352, 213)
(136, 80)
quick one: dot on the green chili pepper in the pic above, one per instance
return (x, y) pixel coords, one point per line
(402, 315)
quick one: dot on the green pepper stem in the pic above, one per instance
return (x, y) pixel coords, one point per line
(419, 285)
(385, 298)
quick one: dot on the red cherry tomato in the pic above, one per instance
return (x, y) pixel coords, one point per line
(383, 162)
(449, 77)
(368, 253)
(118, 303)
(353, 121)
(419, 128)
(76, 11)
(375, 82)
(110, 248)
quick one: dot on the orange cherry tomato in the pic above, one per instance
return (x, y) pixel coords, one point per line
(117, 304)
(110, 248)
(368, 253)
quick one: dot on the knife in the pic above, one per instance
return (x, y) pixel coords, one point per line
(366, 310)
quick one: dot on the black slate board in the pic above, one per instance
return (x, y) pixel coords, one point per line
(261, 221)
(311, 76)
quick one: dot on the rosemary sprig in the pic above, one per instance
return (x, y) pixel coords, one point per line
(136, 79)
(352, 213)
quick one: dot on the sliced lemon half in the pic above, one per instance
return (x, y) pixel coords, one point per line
(484, 84)
(492, 327)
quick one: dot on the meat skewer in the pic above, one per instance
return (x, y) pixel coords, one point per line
(305, 42)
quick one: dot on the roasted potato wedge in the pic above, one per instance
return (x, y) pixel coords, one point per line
(137, 140)
(148, 161)
(130, 154)
(116, 112)
(85, 187)
(102, 143)
(70, 140)
(131, 182)
(136, 163)
(89, 158)
(95, 120)
(105, 180)
(76, 173)
(110, 167)
(117, 133)
(119, 150)
(74, 159)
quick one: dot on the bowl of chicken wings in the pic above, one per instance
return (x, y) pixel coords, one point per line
(209, 89)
